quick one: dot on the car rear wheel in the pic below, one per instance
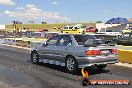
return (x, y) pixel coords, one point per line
(35, 58)
(71, 64)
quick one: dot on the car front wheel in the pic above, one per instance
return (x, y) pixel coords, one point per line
(35, 58)
(71, 65)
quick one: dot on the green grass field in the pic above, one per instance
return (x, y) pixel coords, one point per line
(36, 27)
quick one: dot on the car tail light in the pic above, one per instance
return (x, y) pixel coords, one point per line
(114, 51)
(92, 52)
(87, 30)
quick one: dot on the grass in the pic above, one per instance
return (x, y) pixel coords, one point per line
(36, 27)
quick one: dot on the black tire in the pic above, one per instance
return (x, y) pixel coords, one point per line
(33, 59)
(71, 64)
(101, 66)
(83, 32)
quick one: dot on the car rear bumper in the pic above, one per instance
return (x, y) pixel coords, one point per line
(89, 61)
(92, 64)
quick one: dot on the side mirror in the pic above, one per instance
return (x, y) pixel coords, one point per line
(70, 43)
(45, 44)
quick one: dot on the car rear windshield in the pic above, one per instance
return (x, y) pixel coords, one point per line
(81, 39)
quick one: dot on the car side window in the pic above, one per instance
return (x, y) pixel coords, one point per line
(130, 37)
(64, 41)
(65, 27)
(76, 27)
(125, 37)
(79, 39)
(52, 41)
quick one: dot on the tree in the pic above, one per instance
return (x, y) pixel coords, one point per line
(44, 22)
(31, 22)
(98, 21)
(16, 22)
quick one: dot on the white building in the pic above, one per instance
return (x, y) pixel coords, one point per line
(112, 29)
(2, 27)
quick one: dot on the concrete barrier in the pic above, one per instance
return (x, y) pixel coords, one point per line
(8, 41)
(125, 56)
(34, 44)
(2, 41)
(24, 42)
(18, 42)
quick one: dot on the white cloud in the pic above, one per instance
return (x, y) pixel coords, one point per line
(20, 8)
(55, 3)
(30, 6)
(31, 12)
(7, 12)
(7, 2)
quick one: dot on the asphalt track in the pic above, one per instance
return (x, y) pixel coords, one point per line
(17, 71)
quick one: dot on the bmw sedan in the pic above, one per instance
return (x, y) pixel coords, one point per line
(75, 51)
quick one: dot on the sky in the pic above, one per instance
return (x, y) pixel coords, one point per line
(61, 11)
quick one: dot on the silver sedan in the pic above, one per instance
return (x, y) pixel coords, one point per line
(75, 51)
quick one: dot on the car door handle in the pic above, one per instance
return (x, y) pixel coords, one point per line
(66, 49)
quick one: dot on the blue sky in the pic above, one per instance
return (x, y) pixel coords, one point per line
(53, 11)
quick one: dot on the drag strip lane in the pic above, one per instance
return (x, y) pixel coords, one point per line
(45, 76)
(51, 76)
